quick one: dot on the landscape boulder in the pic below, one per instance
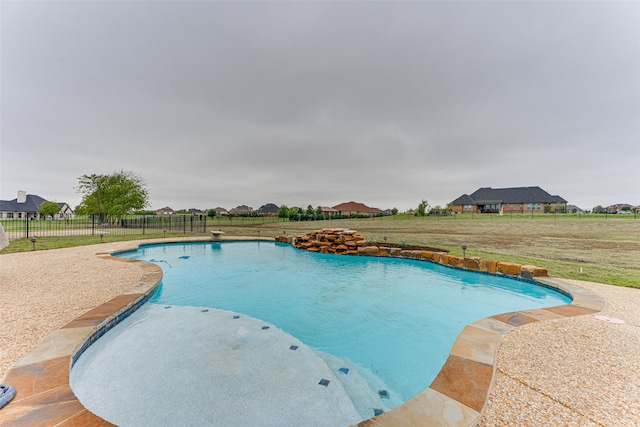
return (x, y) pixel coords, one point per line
(488, 265)
(531, 271)
(509, 268)
(471, 263)
(344, 241)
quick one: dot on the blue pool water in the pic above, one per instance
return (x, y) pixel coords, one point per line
(394, 319)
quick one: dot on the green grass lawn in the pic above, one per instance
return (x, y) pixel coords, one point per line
(606, 248)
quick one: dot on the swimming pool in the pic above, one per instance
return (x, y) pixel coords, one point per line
(391, 321)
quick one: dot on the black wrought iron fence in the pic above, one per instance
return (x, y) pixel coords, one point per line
(93, 225)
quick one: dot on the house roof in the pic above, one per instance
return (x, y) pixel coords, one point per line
(269, 208)
(355, 207)
(219, 209)
(32, 204)
(508, 195)
(241, 208)
(464, 200)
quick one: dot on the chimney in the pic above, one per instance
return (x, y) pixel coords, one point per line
(22, 196)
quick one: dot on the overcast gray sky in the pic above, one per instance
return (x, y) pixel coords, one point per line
(297, 103)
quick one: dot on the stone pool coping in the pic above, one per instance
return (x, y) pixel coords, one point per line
(455, 398)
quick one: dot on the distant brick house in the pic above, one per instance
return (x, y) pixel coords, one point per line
(270, 209)
(241, 210)
(328, 211)
(26, 206)
(354, 208)
(165, 211)
(620, 207)
(196, 211)
(508, 200)
(221, 211)
(574, 209)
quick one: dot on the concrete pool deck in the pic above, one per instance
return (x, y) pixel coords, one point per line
(570, 369)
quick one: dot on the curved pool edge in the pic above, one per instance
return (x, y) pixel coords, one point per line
(455, 398)
(41, 378)
(458, 394)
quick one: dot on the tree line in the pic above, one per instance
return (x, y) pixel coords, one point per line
(121, 192)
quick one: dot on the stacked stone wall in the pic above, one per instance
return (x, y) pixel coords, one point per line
(343, 241)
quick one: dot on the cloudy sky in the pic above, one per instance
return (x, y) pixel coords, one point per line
(297, 103)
